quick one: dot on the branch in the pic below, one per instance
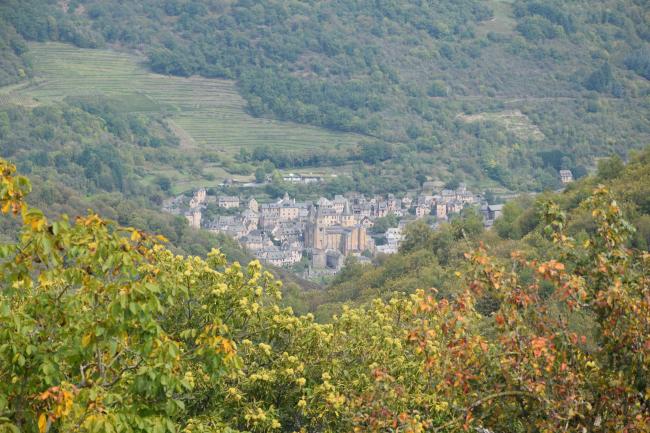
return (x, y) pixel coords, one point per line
(119, 375)
(82, 370)
(487, 398)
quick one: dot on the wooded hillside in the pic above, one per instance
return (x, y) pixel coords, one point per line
(500, 83)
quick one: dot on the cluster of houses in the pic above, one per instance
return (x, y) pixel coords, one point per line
(445, 202)
(325, 232)
(283, 232)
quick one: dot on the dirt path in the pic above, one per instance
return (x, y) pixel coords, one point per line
(186, 140)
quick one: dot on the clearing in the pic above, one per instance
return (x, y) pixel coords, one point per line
(512, 120)
(502, 22)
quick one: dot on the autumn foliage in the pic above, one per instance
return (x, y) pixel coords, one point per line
(103, 329)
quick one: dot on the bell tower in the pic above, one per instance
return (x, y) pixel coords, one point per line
(347, 218)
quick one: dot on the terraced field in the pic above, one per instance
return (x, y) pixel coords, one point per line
(513, 120)
(208, 113)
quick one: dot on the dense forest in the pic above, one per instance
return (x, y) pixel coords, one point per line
(425, 82)
(550, 338)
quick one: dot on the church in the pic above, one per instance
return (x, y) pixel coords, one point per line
(327, 229)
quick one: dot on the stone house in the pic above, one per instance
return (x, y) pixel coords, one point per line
(422, 210)
(228, 201)
(566, 176)
(454, 207)
(194, 218)
(494, 211)
(441, 211)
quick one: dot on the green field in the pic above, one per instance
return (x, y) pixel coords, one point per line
(205, 113)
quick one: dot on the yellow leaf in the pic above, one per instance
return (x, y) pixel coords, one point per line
(42, 423)
(85, 340)
(38, 223)
(135, 236)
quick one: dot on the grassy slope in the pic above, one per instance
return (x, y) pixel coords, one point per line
(208, 113)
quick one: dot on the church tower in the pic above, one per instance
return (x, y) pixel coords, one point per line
(318, 231)
(347, 218)
(313, 229)
(253, 205)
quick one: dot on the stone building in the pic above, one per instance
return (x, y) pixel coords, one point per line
(326, 230)
(339, 203)
(194, 218)
(441, 210)
(253, 205)
(198, 198)
(422, 210)
(283, 210)
(454, 207)
(566, 176)
(228, 201)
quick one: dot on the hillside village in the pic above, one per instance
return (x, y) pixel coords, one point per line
(322, 234)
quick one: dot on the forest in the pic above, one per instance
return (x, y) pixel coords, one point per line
(423, 82)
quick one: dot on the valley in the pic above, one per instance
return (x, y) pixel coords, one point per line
(324, 216)
(206, 114)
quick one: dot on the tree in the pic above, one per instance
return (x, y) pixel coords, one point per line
(376, 151)
(122, 355)
(639, 61)
(506, 225)
(260, 175)
(468, 225)
(164, 183)
(384, 223)
(452, 183)
(601, 80)
(610, 168)
(5, 125)
(417, 235)
(437, 88)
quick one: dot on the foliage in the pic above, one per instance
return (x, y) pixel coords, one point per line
(149, 341)
(404, 74)
(12, 46)
(639, 61)
(94, 159)
(601, 80)
(115, 359)
(384, 223)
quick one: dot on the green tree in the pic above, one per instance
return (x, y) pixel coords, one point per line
(610, 168)
(602, 79)
(384, 223)
(260, 175)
